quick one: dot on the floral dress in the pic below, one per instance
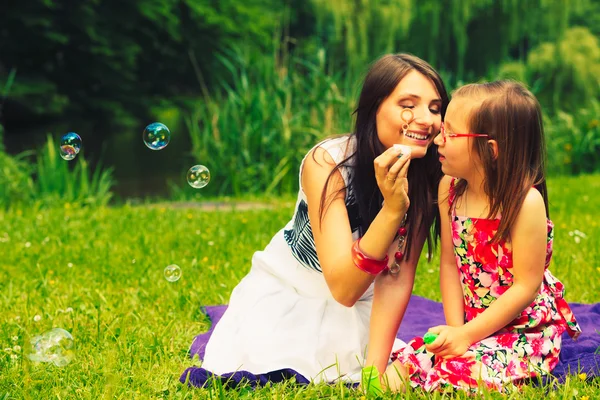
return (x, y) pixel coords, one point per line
(529, 346)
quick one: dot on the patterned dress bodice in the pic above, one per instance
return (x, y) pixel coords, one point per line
(486, 272)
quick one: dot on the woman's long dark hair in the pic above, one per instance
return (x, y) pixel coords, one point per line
(423, 174)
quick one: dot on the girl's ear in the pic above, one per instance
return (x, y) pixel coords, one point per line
(494, 148)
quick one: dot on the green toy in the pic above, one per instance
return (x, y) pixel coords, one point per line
(430, 337)
(370, 380)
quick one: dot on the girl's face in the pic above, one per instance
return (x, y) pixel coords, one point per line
(457, 155)
(416, 93)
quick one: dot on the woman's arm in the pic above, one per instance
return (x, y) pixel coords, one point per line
(390, 299)
(450, 285)
(332, 233)
(529, 240)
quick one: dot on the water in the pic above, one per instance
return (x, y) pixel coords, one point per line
(139, 171)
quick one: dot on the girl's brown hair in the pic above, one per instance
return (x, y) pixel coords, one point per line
(423, 174)
(511, 115)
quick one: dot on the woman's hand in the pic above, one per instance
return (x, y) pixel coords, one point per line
(391, 174)
(452, 341)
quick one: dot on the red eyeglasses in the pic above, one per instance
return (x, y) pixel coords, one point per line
(453, 135)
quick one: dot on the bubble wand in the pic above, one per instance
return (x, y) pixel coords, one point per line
(370, 380)
(404, 149)
(430, 337)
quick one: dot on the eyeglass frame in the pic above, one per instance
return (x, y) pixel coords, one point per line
(444, 135)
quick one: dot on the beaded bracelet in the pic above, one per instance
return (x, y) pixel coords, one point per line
(366, 263)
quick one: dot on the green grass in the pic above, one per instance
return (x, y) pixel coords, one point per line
(133, 328)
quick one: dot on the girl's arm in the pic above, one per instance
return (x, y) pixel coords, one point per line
(529, 240)
(390, 299)
(332, 233)
(450, 285)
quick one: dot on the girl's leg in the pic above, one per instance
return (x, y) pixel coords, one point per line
(395, 377)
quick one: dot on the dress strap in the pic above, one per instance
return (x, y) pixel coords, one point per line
(452, 192)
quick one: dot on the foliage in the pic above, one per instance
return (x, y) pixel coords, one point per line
(452, 35)
(568, 71)
(56, 181)
(253, 135)
(16, 185)
(573, 141)
(51, 180)
(113, 58)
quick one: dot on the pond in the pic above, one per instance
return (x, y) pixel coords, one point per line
(139, 172)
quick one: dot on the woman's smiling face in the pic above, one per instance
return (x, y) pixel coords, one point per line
(416, 93)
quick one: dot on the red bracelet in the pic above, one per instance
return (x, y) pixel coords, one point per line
(365, 263)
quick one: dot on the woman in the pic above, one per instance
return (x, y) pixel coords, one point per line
(306, 303)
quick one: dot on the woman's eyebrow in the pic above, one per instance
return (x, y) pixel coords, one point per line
(417, 97)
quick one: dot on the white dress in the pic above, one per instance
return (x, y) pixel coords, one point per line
(282, 314)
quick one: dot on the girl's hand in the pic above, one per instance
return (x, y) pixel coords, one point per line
(452, 341)
(391, 174)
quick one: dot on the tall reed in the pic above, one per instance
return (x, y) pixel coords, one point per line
(55, 180)
(253, 133)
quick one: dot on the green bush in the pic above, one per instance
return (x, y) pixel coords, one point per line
(566, 73)
(49, 179)
(573, 141)
(116, 58)
(56, 181)
(16, 185)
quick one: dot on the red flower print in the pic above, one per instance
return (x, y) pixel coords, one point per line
(481, 237)
(521, 320)
(487, 279)
(504, 260)
(506, 340)
(489, 267)
(456, 229)
(459, 370)
(497, 289)
(517, 369)
(487, 225)
(486, 359)
(537, 346)
(417, 343)
(460, 365)
(468, 280)
(485, 254)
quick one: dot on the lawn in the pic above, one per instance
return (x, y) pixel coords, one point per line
(98, 273)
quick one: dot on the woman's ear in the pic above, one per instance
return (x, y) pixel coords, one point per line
(494, 148)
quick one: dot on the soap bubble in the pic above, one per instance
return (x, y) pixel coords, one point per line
(198, 176)
(156, 136)
(172, 273)
(54, 346)
(71, 139)
(67, 152)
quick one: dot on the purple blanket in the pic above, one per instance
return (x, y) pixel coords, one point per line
(575, 357)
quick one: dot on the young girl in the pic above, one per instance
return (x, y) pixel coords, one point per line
(504, 310)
